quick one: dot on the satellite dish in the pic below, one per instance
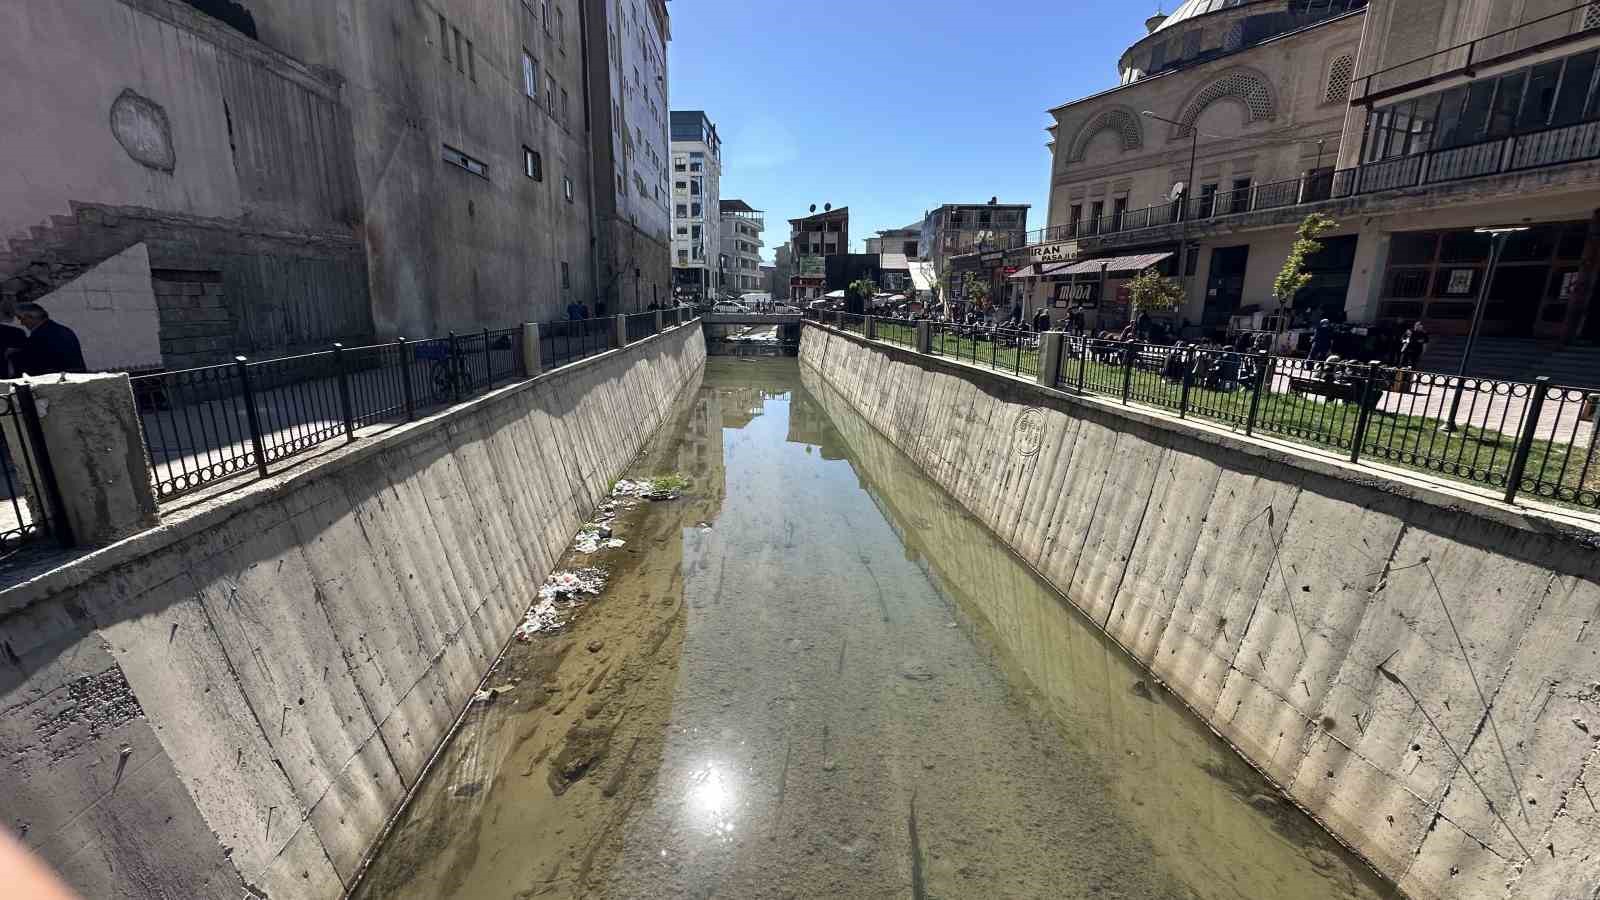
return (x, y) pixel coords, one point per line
(1177, 192)
(813, 207)
(827, 207)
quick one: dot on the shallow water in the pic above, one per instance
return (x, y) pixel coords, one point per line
(819, 677)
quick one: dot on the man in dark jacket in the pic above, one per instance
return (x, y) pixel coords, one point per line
(51, 346)
(1041, 320)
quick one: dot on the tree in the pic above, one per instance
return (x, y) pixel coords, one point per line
(1293, 278)
(975, 289)
(860, 293)
(1154, 291)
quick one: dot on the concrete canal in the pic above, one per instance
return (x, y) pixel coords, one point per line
(814, 675)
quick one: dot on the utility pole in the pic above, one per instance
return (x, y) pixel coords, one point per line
(1497, 243)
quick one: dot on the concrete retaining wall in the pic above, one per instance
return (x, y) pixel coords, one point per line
(233, 703)
(1354, 637)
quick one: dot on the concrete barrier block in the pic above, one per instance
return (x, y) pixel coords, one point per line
(91, 432)
(532, 349)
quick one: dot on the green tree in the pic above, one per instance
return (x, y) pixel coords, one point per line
(974, 288)
(1293, 278)
(1152, 291)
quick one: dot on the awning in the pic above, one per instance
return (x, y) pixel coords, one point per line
(1038, 270)
(833, 295)
(1113, 265)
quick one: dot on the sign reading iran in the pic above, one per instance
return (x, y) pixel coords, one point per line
(1061, 251)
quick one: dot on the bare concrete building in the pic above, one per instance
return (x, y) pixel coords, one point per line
(812, 239)
(742, 225)
(628, 120)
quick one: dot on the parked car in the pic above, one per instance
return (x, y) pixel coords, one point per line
(784, 309)
(728, 307)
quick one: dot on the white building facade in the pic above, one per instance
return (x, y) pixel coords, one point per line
(696, 204)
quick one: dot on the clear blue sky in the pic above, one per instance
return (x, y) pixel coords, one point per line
(890, 107)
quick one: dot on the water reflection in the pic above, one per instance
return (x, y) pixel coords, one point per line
(874, 699)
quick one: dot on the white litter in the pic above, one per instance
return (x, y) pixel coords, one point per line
(558, 597)
(596, 536)
(645, 488)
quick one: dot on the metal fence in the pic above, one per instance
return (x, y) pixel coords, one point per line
(1011, 351)
(208, 424)
(1512, 437)
(34, 508)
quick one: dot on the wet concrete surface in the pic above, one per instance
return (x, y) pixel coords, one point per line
(815, 676)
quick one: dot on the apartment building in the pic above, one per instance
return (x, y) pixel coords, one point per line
(628, 120)
(1413, 124)
(961, 238)
(697, 256)
(812, 239)
(742, 225)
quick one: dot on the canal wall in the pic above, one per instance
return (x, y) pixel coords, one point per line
(1418, 669)
(233, 703)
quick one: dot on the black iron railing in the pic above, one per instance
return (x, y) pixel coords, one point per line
(212, 423)
(1575, 143)
(1485, 51)
(1515, 438)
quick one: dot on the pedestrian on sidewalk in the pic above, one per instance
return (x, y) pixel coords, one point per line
(1413, 345)
(51, 346)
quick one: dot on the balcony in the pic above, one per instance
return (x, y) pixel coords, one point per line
(1518, 153)
(1462, 60)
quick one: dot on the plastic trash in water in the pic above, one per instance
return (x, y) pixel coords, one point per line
(559, 596)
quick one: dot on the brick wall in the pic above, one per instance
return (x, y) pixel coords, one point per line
(197, 326)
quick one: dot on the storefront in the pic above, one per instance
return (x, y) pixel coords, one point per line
(1438, 277)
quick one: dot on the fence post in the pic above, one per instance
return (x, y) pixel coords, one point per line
(450, 367)
(60, 525)
(1263, 370)
(1127, 370)
(1049, 358)
(1083, 360)
(1364, 416)
(620, 326)
(488, 361)
(660, 321)
(251, 415)
(345, 406)
(532, 350)
(924, 336)
(869, 328)
(405, 351)
(1530, 421)
(1188, 381)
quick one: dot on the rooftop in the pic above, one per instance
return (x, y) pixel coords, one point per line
(736, 206)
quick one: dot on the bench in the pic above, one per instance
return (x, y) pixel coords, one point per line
(1348, 391)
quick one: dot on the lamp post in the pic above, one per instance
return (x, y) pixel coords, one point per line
(1497, 243)
(1194, 153)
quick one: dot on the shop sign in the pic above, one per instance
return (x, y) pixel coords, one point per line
(1061, 251)
(1460, 282)
(1083, 293)
(993, 259)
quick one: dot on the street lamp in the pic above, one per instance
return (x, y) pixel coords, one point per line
(1497, 243)
(1194, 153)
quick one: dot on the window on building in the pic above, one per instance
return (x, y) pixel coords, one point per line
(694, 186)
(694, 210)
(456, 158)
(444, 38)
(532, 164)
(681, 211)
(565, 122)
(680, 185)
(1239, 197)
(694, 232)
(461, 62)
(566, 275)
(1119, 206)
(544, 7)
(683, 256)
(1097, 209)
(622, 185)
(1074, 215)
(550, 94)
(682, 230)
(561, 28)
(566, 187)
(530, 75)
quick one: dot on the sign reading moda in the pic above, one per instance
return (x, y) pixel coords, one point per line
(1060, 251)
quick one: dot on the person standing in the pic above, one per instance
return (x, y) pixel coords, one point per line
(51, 346)
(1413, 345)
(1321, 341)
(1041, 320)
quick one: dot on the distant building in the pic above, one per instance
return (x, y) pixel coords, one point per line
(782, 269)
(741, 247)
(627, 117)
(813, 239)
(962, 238)
(698, 260)
(896, 248)
(769, 280)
